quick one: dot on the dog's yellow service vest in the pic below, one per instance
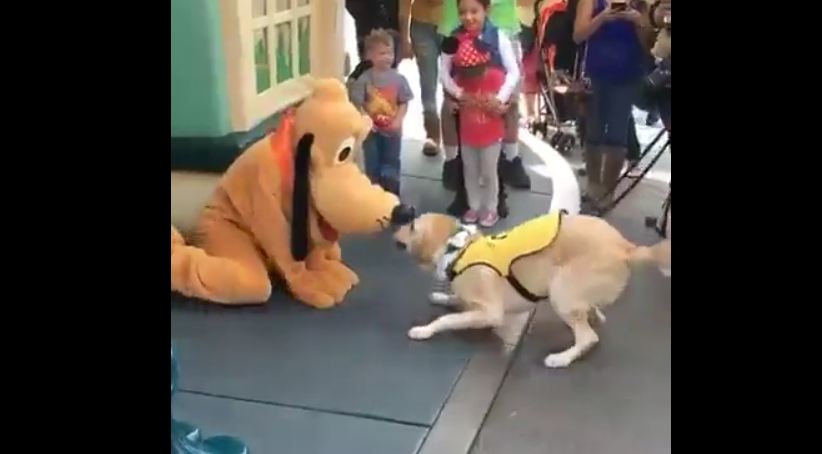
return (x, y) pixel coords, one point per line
(501, 250)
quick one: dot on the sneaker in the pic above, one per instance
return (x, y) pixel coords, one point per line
(430, 148)
(489, 219)
(470, 217)
(513, 173)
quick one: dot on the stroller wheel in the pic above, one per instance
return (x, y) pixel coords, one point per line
(566, 144)
(537, 127)
(555, 139)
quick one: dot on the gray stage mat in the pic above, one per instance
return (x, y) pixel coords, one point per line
(354, 359)
(268, 429)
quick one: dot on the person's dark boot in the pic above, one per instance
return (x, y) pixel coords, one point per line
(513, 173)
(431, 121)
(613, 160)
(593, 170)
(451, 174)
(502, 201)
(459, 205)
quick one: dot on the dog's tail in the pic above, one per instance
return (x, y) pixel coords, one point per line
(659, 254)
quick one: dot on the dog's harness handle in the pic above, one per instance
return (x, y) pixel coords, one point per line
(454, 248)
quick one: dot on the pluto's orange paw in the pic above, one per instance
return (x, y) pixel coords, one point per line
(310, 287)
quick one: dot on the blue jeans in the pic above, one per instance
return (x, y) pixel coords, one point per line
(427, 42)
(609, 113)
(382, 160)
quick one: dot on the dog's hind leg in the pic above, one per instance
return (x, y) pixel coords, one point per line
(478, 318)
(584, 339)
(600, 317)
(576, 292)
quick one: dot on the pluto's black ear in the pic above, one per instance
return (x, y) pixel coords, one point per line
(450, 45)
(299, 207)
(362, 67)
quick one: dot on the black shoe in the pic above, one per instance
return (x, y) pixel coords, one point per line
(513, 172)
(502, 206)
(451, 174)
(502, 199)
(459, 205)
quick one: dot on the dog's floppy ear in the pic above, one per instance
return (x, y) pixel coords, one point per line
(432, 234)
(299, 206)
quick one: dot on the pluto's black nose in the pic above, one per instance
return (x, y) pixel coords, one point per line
(401, 246)
(402, 214)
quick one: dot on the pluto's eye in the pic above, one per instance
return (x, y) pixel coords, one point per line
(344, 150)
(344, 153)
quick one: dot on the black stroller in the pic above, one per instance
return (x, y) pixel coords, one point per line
(562, 89)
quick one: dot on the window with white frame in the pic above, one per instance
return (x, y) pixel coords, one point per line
(282, 41)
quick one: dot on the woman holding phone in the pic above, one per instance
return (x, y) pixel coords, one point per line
(615, 58)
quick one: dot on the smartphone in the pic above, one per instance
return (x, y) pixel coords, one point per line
(619, 5)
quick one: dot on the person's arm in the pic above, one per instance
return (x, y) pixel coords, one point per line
(585, 25)
(396, 124)
(642, 25)
(509, 61)
(404, 96)
(448, 84)
(406, 50)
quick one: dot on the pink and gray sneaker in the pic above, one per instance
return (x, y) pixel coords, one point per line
(470, 217)
(489, 219)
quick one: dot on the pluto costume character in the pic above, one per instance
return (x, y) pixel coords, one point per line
(281, 208)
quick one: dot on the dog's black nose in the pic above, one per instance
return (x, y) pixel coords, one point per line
(402, 214)
(401, 245)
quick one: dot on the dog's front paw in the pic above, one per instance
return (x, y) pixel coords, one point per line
(558, 360)
(420, 332)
